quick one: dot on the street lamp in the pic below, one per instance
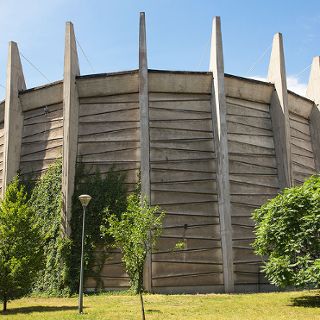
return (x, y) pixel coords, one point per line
(84, 199)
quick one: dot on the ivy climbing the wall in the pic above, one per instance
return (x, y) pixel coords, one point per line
(46, 200)
(106, 191)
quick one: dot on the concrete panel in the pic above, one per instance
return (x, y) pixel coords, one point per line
(253, 105)
(200, 186)
(161, 114)
(167, 197)
(109, 100)
(173, 134)
(204, 145)
(182, 220)
(248, 89)
(41, 96)
(254, 122)
(179, 82)
(185, 280)
(176, 154)
(108, 84)
(243, 111)
(120, 135)
(238, 128)
(162, 176)
(193, 105)
(299, 105)
(165, 96)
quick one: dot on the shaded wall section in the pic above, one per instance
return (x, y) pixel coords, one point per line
(253, 179)
(42, 136)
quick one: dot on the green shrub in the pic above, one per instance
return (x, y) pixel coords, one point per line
(288, 235)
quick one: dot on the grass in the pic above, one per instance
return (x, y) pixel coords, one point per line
(285, 305)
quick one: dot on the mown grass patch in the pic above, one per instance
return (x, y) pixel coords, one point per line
(283, 305)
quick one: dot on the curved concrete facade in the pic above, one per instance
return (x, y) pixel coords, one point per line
(211, 148)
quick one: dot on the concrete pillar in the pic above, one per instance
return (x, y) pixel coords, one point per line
(280, 112)
(313, 93)
(70, 122)
(144, 133)
(219, 113)
(13, 117)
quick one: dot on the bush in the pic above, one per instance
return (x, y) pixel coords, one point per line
(288, 235)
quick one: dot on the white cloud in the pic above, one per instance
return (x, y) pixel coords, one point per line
(296, 86)
(293, 84)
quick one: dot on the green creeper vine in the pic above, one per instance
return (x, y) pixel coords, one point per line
(106, 191)
(46, 200)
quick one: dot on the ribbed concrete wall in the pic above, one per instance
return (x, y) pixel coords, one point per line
(211, 148)
(183, 183)
(182, 165)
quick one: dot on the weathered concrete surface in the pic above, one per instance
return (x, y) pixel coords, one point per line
(300, 105)
(280, 112)
(248, 89)
(144, 133)
(70, 122)
(13, 123)
(42, 96)
(219, 112)
(108, 84)
(313, 93)
(179, 82)
(2, 106)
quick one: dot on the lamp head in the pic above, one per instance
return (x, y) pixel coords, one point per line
(84, 199)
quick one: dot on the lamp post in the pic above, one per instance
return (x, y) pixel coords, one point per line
(84, 199)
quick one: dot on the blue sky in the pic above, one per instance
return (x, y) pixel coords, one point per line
(178, 34)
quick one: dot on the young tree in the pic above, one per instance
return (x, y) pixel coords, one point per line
(20, 244)
(136, 233)
(288, 235)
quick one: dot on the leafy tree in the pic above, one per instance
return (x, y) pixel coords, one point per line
(288, 235)
(135, 233)
(20, 244)
(46, 200)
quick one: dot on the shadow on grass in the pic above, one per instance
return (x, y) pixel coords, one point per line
(307, 301)
(37, 309)
(153, 311)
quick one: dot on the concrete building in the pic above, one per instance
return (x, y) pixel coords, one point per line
(211, 146)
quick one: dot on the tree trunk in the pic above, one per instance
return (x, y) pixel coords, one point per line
(4, 304)
(142, 306)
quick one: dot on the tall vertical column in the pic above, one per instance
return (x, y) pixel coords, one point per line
(144, 133)
(280, 112)
(13, 117)
(219, 112)
(313, 93)
(70, 122)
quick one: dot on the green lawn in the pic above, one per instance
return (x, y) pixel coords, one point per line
(286, 305)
